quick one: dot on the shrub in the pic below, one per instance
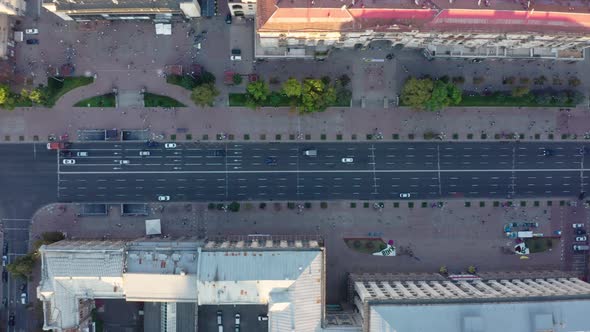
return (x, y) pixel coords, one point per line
(356, 244)
(323, 205)
(237, 79)
(291, 205)
(524, 80)
(234, 207)
(220, 206)
(262, 206)
(574, 81)
(344, 80)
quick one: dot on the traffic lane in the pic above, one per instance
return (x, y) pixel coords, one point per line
(419, 185)
(273, 186)
(549, 183)
(129, 187)
(476, 184)
(337, 185)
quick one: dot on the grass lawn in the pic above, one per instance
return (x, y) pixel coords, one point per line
(57, 88)
(365, 245)
(540, 244)
(507, 101)
(153, 100)
(107, 100)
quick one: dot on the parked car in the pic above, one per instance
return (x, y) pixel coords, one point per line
(578, 225)
(170, 145)
(236, 54)
(69, 161)
(237, 319)
(124, 162)
(23, 287)
(163, 198)
(32, 41)
(228, 19)
(4, 275)
(530, 224)
(577, 247)
(11, 319)
(23, 298)
(219, 317)
(32, 31)
(583, 238)
(580, 231)
(4, 260)
(144, 153)
(347, 160)
(270, 161)
(404, 195)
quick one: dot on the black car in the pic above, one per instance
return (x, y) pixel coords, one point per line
(11, 319)
(65, 153)
(228, 19)
(4, 275)
(219, 153)
(547, 152)
(270, 161)
(151, 144)
(23, 287)
(580, 231)
(32, 41)
(5, 251)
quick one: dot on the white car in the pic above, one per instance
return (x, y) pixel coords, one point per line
(82, 154)
(582, 238)
(23, 298)
(124, 162)
(347, 160)
(404, 195)
(237, 319)
(144, 153)
(32, 31)
(69, 161)
(163, 198)
(235, 57)
(578, 225)
(170, 145)
(262, 318)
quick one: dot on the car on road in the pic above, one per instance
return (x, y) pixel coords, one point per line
(11, 320)
(4, 275)
(144, 153)
(82, 154)
(69, 161)
(4, 260)
(583, 238)
(347, 160)
(578, 225)
(262, 318)
(310, 152)
(577, 247)
(237, 319)
(236, 54)
(65, 153)
(124, 162)
(219, 153)
(23, 298)
(170, 145)
(547, 152)
(404, 195)
(580, 231)
(4, 301)
(163, 198)
(32, 31)
(5, 250)
(270, 161)
(228, 18)
(32, 41)
(219, 317)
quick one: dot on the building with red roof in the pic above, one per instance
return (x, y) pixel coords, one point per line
(446, 28)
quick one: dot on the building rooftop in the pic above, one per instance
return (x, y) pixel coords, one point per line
(100, 6)
(548, 16)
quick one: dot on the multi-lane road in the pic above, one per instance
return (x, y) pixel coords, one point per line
(116, 172)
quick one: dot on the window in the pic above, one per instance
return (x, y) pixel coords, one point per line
(236, 7)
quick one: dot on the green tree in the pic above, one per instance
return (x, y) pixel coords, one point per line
(4, 94)
(520, 91)
(205, 78)
(258, 92)
(443, 95)
(471, 269)
(22, 266)
(237, 78)
(316, 96)
(292, 88)
(234, 207)
(38, 96)
(544, 98)
(417, 92)
(204, 94)
(344, 80)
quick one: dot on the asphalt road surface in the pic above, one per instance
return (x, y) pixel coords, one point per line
(116, 172)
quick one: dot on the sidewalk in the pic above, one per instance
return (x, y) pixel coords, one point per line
(25, 124)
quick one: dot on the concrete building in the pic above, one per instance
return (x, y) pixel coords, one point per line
(513, 302)
(284, 274)
(549, 29)
(157, 10)
(244, 8)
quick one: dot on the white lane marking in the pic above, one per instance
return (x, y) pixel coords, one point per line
(340, 171)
